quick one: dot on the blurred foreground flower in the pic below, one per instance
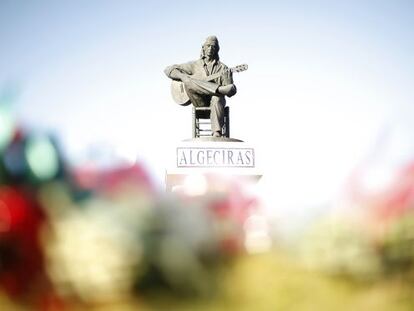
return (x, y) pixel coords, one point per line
(20, 254)
(104, 246)
(92, 248)
(371, 235)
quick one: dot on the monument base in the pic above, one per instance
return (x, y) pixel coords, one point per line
(209, 156)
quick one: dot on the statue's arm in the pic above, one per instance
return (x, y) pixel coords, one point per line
(228, 90)
(227, 86)
(179, 72)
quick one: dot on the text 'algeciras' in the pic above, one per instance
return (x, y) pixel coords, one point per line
(215, 157)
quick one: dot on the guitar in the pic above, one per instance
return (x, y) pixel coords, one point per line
(178, 91)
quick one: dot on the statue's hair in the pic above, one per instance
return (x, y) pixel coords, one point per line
(216, 43)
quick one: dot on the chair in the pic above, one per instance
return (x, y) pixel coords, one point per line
(202, 123)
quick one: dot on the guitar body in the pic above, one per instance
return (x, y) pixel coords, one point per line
(178, 91)
(179, 94)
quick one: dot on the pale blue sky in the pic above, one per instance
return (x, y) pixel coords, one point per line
(325, 79)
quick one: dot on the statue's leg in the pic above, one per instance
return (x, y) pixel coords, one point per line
(197, 98)
(217, 105)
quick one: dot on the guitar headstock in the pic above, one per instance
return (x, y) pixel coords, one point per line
(239, 68)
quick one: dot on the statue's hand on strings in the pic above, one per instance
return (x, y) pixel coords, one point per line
(177, 74)
(185, 78)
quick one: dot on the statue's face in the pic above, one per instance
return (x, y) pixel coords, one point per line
(210, 49)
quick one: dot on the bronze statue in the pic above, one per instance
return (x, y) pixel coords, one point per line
(205, 83)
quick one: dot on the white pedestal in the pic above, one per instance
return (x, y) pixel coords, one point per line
(222, 156)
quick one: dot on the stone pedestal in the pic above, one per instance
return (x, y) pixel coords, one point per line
(213, 156)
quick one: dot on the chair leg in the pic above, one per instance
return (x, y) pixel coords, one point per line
(194, 123)
(228, 125)
(226, 122)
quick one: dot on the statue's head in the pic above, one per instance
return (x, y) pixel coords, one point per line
(210, 48)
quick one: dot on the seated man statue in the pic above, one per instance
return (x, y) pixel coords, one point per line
(206, 94)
